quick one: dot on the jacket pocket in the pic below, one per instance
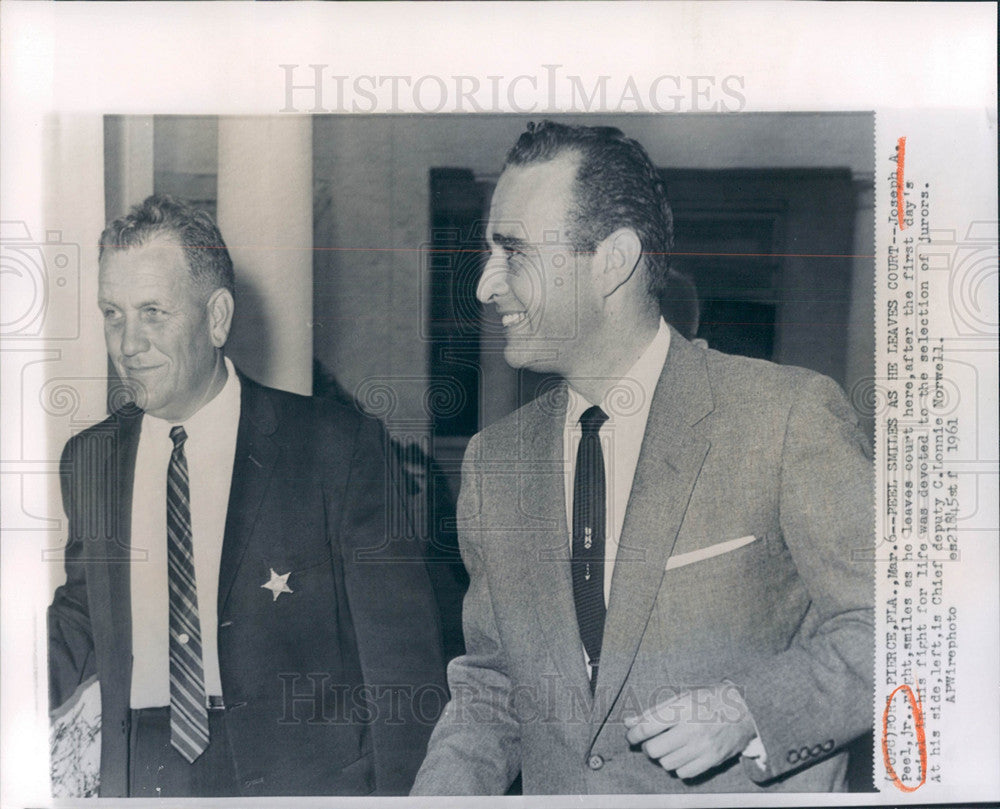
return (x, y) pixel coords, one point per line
(683, 559)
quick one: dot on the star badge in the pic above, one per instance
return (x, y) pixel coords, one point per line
(278, 584)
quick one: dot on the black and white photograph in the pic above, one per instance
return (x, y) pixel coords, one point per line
(568, 274)
(496, 434)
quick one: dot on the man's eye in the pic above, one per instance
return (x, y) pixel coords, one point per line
(110, 314)
(515, 258)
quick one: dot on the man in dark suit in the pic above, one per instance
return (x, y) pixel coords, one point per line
(229, 579)
(666, 594)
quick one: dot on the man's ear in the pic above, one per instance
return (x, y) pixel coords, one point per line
(616, 258)
(220, 315)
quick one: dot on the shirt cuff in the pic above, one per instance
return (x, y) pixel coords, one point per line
(755, 750)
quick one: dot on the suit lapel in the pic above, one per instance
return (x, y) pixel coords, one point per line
(120, 472)
(670, 460)
(108, 583)
(548, 556)
(253, 463)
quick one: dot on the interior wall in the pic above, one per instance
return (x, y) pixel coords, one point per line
(372, 215)
(372, 180)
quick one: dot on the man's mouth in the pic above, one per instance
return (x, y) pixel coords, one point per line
(513, 319)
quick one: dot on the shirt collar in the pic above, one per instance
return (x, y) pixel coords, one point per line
(217, 410)
(631, 395)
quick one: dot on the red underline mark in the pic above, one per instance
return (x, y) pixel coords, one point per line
(900, 166)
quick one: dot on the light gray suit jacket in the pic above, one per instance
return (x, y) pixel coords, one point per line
(744, 558)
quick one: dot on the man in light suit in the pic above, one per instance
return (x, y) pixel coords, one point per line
(666, 591)
(229, 582)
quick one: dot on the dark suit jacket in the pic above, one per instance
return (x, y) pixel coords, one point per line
(742, 559)
(320, 684)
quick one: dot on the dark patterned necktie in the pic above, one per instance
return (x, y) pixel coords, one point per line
(188, 713)
(588, 537)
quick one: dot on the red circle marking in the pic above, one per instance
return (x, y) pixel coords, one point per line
(917, 711)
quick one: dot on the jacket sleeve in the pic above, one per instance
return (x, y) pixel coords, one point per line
(816, 696)
(71, 641)
(475, 748)
(394, 616)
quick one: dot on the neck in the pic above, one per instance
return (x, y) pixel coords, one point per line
(621, 342)
(219, 376)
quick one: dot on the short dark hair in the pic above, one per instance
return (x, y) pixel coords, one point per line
(616, 186)
(194, 230)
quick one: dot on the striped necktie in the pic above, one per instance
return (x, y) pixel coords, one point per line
(188, 712)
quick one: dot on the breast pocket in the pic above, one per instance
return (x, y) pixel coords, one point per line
(718, 549)
(704, 595)
(280, 581)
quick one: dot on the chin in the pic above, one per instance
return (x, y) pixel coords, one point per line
(519, 358)
(527, 362)
(151, 395)
(153, 406)
(140, 394)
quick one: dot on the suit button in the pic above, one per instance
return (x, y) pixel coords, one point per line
(595, 762)
(828, 745)
(804, 754)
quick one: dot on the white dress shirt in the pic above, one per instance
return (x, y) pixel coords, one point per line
(627, 407)
(210, 449)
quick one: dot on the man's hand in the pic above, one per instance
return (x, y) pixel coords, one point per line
(695, 730)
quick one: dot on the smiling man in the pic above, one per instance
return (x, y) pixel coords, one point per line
(665, 591)
(229, 580)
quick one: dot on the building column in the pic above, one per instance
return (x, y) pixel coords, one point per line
(265, 205)
(128, 162)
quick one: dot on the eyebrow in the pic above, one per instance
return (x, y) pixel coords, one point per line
(510, 242)
(141, 305)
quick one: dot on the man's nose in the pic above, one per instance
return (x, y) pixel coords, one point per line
(493, 281)
(134, 340)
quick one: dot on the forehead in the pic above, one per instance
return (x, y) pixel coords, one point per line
(534, 198)
(159, 263)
